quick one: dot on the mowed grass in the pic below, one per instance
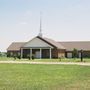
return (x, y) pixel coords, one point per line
(47, 60)
(44, 77)
(6, 59)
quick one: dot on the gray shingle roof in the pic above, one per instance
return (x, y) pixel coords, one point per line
(15, 46)
(84, 45)
(54, 43)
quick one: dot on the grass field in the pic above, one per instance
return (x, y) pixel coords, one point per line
(47, 60)
(44, 77)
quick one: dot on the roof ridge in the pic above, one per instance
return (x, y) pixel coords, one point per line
(73, 41)
(53, 42)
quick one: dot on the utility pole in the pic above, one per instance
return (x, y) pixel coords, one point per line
(81, 55)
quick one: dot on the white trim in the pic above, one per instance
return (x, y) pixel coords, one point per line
(37, 48)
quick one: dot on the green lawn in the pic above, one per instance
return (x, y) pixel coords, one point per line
(5, 58)
(48, 60)
(44, 77)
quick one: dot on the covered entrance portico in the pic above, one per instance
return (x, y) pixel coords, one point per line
(37, 48)
(37, 53)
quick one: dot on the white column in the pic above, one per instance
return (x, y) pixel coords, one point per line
(31, 53)
(40, 53)
(50, 53)
(21, 52)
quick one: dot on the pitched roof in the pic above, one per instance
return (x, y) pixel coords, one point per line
(69, 46)
(52, 42)
(15, 46)
(84, 45)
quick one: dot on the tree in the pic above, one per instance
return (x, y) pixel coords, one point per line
(18, 55)
(0, 54)
(14, 56)
(75, 53)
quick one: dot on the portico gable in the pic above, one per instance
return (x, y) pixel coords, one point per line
(37, 43)
(37, 47)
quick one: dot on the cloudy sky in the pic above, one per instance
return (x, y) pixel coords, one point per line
(62, 20)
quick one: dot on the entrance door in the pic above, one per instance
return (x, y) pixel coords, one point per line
(79, 54)
(37, 54)
(69, 55)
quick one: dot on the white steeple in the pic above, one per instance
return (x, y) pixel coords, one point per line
(40, 32)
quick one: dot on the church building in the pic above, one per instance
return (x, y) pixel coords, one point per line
(40, 47)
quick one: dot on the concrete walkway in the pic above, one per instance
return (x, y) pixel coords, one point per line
(66, 63)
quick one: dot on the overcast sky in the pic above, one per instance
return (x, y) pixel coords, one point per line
(62, 20)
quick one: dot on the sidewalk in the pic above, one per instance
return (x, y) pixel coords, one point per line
(66, 63)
